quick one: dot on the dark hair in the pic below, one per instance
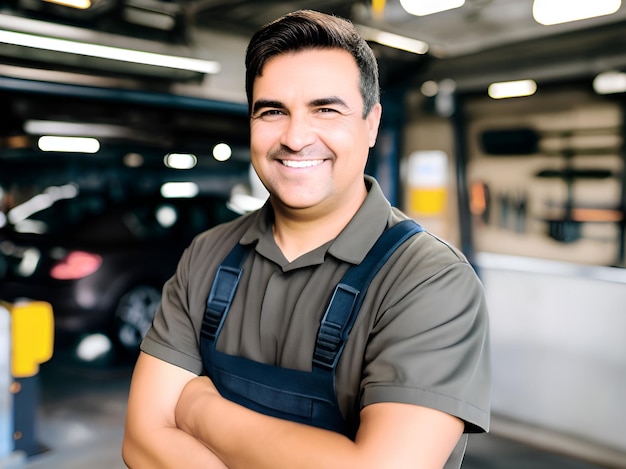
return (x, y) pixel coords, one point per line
(307, 29)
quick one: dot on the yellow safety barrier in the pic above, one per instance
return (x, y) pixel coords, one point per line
(32, 329)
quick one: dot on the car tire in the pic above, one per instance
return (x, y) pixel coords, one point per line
(133, 316)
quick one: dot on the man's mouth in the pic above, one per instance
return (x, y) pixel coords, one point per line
(301, 163)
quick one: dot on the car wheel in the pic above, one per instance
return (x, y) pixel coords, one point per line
(134, 314)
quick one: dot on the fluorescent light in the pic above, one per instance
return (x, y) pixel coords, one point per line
(548, 12)
(80, 4)
(74, 129)
(512, 89)
(108, 52)
(68, 144)
(401, 42)
(393, 40)
(610, 82)
(180, 160)
(179, 189)
(428, 7)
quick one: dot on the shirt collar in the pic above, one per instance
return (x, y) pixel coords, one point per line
(351, 245)
(369, 222)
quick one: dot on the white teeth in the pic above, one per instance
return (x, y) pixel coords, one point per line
(301, 163)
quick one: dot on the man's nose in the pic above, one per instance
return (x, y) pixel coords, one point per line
(298, 132)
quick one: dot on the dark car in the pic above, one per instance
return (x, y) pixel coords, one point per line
(100, 263)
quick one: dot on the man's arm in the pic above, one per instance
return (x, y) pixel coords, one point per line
(151, 438)
(390, 435)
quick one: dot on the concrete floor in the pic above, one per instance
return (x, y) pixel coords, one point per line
(82, 408)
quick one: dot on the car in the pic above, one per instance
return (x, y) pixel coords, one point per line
(100, 262)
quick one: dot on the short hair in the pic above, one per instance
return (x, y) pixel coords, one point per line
(307, 29)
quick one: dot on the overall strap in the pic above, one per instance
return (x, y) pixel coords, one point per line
(223, 291)
(349, 293)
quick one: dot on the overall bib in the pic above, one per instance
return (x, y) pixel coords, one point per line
(302, 396)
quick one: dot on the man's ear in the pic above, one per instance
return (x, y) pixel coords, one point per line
(373, 122)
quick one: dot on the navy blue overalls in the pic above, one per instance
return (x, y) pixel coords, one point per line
(301, 396)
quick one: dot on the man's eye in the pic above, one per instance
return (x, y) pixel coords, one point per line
(270, 112)
(326, 110)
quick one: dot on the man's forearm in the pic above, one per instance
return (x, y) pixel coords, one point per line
(244, 439)
(168, 448)
(390, 435)
(151, 437)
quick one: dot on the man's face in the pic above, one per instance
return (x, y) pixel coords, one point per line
(309, 140)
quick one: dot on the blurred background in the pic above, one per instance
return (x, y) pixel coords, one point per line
(124, 133)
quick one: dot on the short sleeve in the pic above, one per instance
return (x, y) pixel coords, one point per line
(429, 345)
(173, 336)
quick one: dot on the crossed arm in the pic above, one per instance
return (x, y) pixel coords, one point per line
(176, 419)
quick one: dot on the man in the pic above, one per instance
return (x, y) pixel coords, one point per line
(414, 372)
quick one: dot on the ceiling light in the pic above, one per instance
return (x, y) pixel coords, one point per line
(179, 189)
(68, 144)
(166, 215)
(512, 89)
(428, 7)
(548, 12)
(222, 152)
(610, 82)
(80, 4)
(73, 129)
(108, 52)
(180, 160)
(393, 40)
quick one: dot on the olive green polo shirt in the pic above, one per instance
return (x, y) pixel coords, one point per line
(421, 336)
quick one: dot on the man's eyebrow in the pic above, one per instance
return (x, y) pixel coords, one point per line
(328, 101)
(270, 103)
(265, 103)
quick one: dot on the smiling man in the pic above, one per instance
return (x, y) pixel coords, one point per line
(310, 144)
(326, 329)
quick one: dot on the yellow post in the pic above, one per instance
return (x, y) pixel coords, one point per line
(32, 332)
(32, 329)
